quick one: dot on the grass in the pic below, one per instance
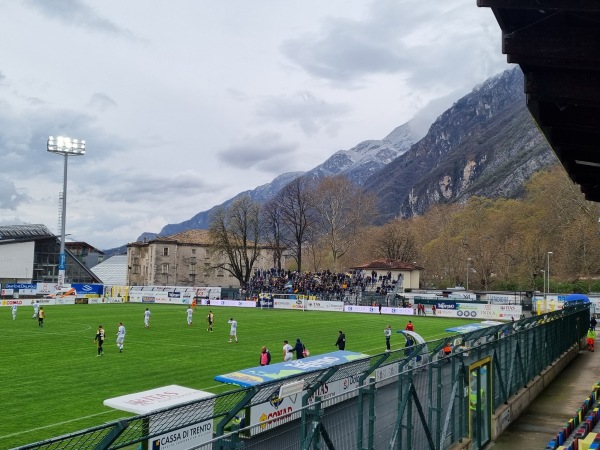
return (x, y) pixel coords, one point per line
(54, 384)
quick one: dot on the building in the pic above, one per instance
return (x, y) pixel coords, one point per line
(30, 254)
(183, 259)
(89, 256)
(410, 272)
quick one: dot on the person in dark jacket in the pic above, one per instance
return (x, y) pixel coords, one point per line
(341, 341)
(299, 349)
(265, 356)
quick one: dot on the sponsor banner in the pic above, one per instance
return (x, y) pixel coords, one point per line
(479, 311)
(49, 288)
(170, 396)
(111, 299)
(174, 294)
(445, 305)
(277, 411)
(182, 438)
(384, 374)
(155, 297)
(64, 301)
(324, 306)
(28, 292)
(238, 303)
(473, 327)
(375, 310)
(291, 303)
(12, 302)
(264, 303)
(85, 289)
(20, 286)
(209, 292)
(7, 292)
(28, 301)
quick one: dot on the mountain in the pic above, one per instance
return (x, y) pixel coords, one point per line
(486, 145)
(358, 164)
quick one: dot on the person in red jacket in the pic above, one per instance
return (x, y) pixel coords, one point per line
(410, 326)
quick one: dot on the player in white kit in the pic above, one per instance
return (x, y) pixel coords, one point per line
(120, 337)
(147, 318)
(233, 331)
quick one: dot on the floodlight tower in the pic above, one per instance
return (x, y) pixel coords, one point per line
(66, 147)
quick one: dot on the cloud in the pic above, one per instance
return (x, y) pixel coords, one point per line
(10, 198)
(101, 102)
(408, 38)
(265, 151)
(76, 13)
(303, 109)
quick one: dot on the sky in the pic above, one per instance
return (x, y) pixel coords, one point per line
(186, 103)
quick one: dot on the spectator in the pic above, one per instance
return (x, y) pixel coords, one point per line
(265, 356)
(388, 334)
(299, 349)
(410, 326)
(591, 338)
(341, 341)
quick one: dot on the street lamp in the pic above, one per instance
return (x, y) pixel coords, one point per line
(544, 284)
(548, 269)
(66, 147)
(468, 270)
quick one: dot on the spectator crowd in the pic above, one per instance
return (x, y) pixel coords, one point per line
(325, 284)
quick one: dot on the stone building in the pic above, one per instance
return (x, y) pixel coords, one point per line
(410, 272)
(183, 259)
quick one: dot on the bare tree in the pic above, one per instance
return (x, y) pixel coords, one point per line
(273, 234)
(296, 207)
(395, 240)
(343, 209)
(235, 234)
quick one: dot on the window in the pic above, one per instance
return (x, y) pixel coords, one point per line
(136, 268)
(165, 251)
(193, 251)
(192, 269)
(165, 268)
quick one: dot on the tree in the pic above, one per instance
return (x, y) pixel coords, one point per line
(272, 229)
(343, 208)
(395, 240)
(296, 206)
(235, 234)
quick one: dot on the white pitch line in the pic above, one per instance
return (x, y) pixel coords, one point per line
(53, 425)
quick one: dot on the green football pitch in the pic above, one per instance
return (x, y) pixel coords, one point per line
(53, 383)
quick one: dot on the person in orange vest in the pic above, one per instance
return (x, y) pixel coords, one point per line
(447, 349)
(591, 338)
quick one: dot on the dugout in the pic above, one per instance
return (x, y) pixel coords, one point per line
(278, 408)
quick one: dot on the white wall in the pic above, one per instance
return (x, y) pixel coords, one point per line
(16, 260)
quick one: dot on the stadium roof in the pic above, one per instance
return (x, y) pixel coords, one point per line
(113, 271)
(24, 232)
